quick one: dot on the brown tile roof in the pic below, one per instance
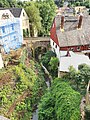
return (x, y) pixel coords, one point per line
(71, 35)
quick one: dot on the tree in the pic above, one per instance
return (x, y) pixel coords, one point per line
(47, 10)
(20, 3)
(54, 66)
(75, 76)
(87, 112)
(4, 3)
(46, 58)
(12, 3)
(46, 107)
(79, 78)
(34, 17)
(61, 102)
(85, 73)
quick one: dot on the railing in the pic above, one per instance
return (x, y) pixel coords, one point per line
(37, 38)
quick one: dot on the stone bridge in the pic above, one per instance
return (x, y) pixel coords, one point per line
(37, 42)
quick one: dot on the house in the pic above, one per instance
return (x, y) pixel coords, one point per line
(10, 31)
(24, 20)
(70, 33)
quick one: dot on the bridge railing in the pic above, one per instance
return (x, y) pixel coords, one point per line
(37, 39)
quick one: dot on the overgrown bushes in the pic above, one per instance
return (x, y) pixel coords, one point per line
(87, 112)
(21, 89)
(60, 103)
(50, 61)
(79, 79)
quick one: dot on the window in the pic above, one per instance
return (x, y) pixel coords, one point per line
(78, 48)
(23, 14)
(55, 46)
(3, 29)
(14, 37)
(53, 43)
(27, 32)
(12, 26)
(72, 49)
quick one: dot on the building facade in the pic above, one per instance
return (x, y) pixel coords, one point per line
(70, 40)
(71, 33)
(10, 31)
(24, 20)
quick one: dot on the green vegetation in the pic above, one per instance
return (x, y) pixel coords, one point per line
(73, 3)
(8, 3)
(61, 102)
(34, 17)
(40, 13)
(79, 79)
(21, 88)
(4, 3)
(87, 112)
(47, 10)
(50, 61)
(46, 58)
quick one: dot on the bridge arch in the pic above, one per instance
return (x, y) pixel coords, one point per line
(38, 44)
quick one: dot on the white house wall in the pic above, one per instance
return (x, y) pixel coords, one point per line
(55, 49)
(24, 20)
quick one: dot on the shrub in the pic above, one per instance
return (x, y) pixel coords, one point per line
(60, 103)
(87, 112)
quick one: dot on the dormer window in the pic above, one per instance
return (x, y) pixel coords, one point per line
(78, 48)
(72, 49)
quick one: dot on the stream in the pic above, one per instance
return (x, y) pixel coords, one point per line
(35, 114)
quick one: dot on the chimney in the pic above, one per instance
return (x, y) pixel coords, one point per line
(80, 21)
(62, 23)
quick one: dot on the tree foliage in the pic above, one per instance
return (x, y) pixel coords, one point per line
(12, 3)
(53, 68)
(87, 112)
(61, 102)
(46, 58)
(47, 10)
(50, 61)
(79, 78)
(4, 3)
(34, 17)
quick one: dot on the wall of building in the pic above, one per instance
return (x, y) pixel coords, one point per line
(55, 48)
(76, 48)
(25, 21)
(53, 35)
(10, 33)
